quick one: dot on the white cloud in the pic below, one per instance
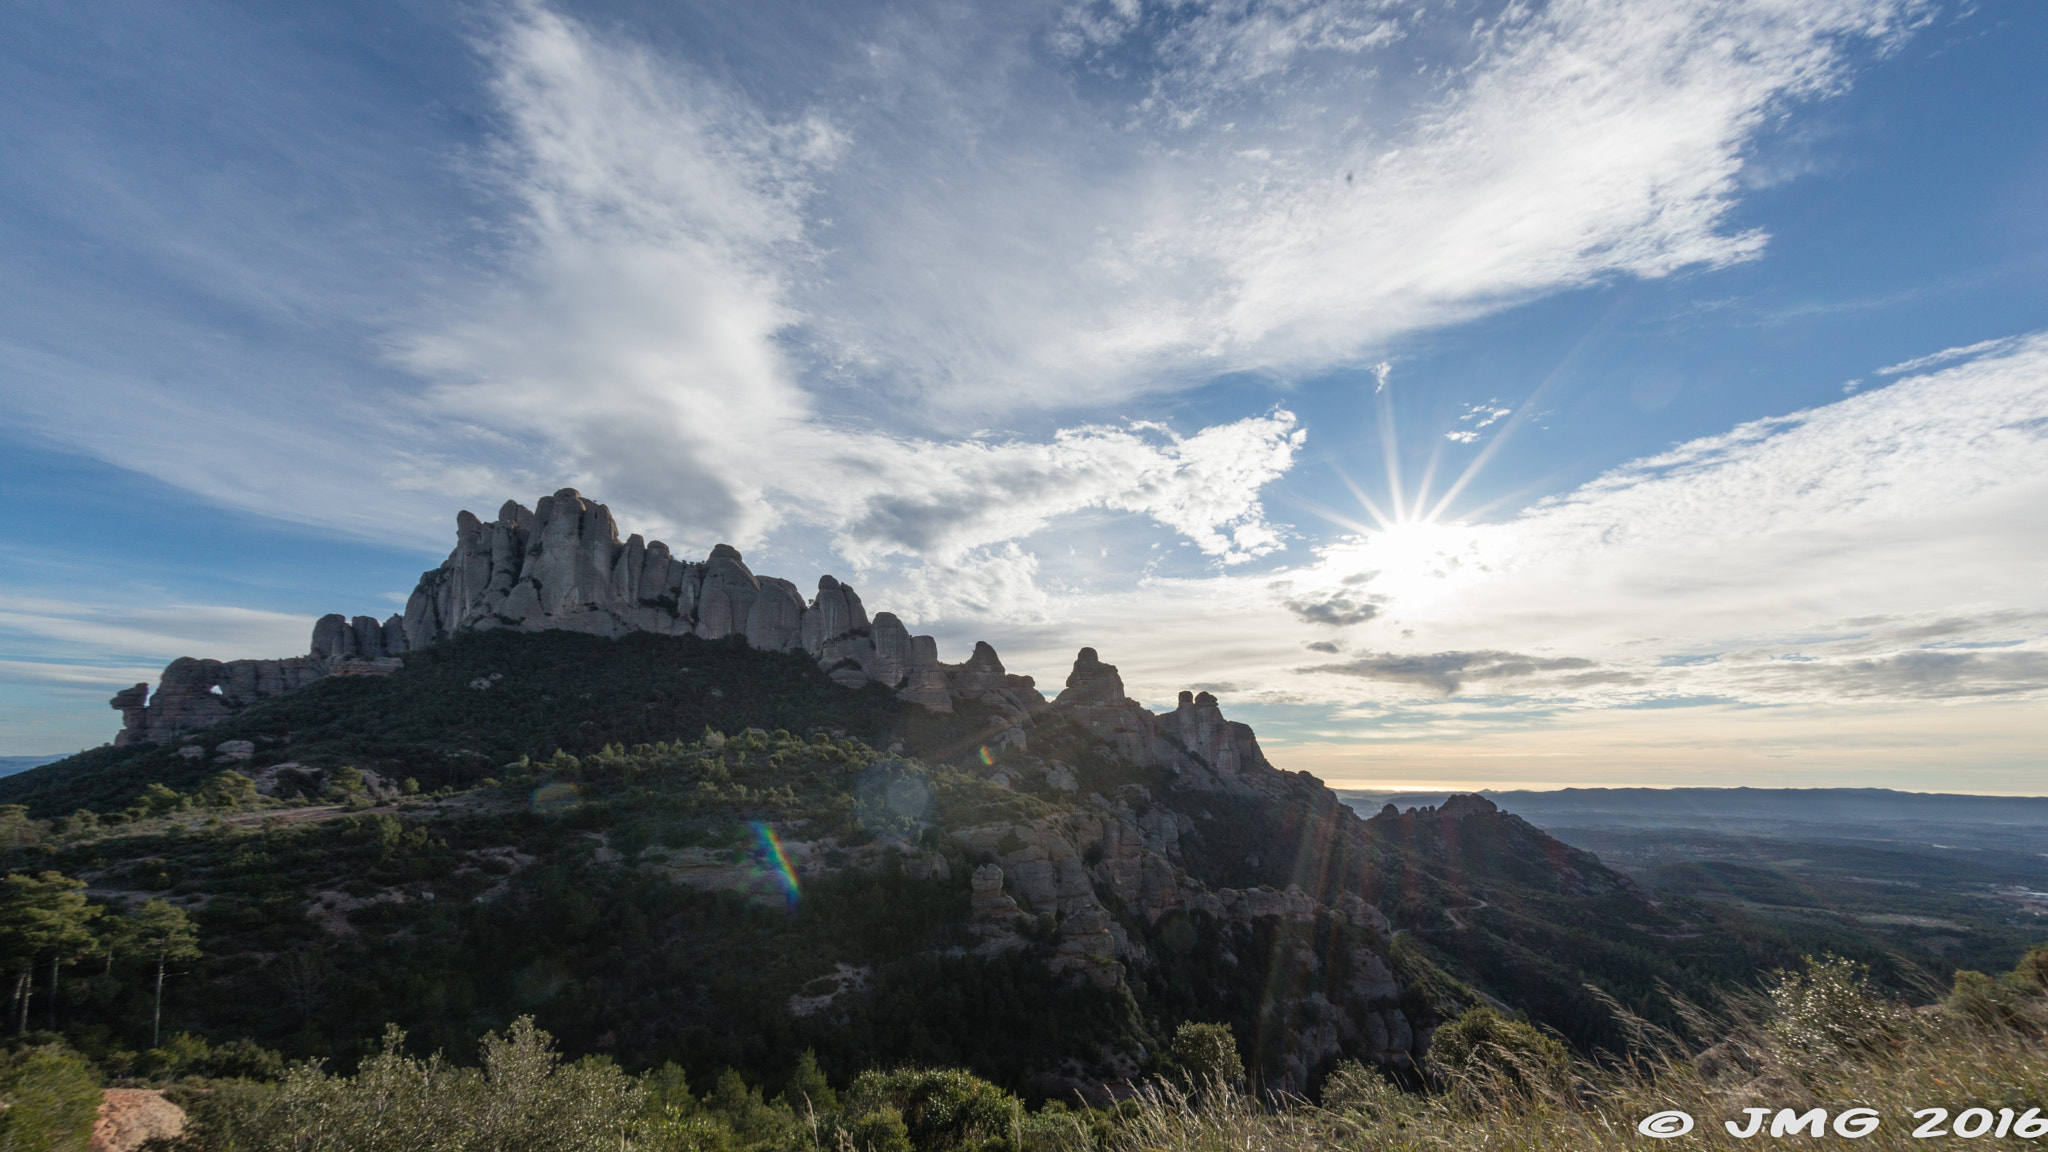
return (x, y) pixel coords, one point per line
(662, 229)
(1948, 356)
(1858, 554)
(699, 289)
(1333, 207)
(726, 314)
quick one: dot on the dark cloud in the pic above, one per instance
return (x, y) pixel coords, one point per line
(1448, 671)
(1324, 646)
(1337, 611)
(1925, 675)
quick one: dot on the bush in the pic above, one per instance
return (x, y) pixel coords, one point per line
(2032, 970)
(2009, 1001)
(1354, 1090)
(187, 1055)
(1830, 1007)
(523, 1097)
(881, 1130)
(939, 1109)
(49, 1099)
(1483, 1043)
(1207, 1053)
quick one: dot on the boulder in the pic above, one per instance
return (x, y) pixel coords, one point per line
(332, 636)
(894, 652)
(1222, 746)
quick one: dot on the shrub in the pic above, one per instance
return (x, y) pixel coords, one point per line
(523, 1097)
(48, 1101)
(1353, 1090)
(1483, 1043)
(1829, 1007)
(346, 785)
(880, 1130)
(940, 1109)
(1995, 1001)
(2032, 970)
(1207, 1053)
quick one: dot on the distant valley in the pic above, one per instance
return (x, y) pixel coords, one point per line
(1941, 881)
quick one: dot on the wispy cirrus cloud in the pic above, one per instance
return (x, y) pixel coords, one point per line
(699, 292)
(163, 631)
(728, 300)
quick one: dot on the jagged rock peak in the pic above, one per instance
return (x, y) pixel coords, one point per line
(561, 566)
(1467, 804)
(1092, 684)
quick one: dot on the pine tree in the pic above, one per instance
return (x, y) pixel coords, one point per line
(160, 932)
(42, 917)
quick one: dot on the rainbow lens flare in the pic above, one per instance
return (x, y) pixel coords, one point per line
(986, 758)
(776, 861)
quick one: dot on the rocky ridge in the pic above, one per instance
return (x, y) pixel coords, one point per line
(561, 566)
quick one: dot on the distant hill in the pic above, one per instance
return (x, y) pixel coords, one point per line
(1938, 881)
(9, 765)
(1662, 806)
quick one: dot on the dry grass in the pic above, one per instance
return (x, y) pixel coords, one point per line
(1821, 1041)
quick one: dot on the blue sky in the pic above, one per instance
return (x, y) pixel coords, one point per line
(1524, 395)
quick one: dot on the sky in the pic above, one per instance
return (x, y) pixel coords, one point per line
(1469, 394)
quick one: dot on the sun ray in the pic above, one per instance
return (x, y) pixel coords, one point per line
(1390, 448)
(1363, 500)
(1532, 402)
(1415, 512)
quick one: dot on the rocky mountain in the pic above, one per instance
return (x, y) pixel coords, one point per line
(679, 812)
(560, 566)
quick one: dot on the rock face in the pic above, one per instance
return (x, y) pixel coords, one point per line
(1114, 871)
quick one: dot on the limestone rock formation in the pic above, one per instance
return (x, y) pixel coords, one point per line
(193, 694)
(561, 565)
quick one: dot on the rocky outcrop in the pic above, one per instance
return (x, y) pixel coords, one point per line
(337, 637)
(561, 565)
(193, 694)
(1223, 747)
(133, 705)
(1193, 742)
(992, 913)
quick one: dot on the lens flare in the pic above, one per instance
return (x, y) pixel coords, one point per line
(556, 798)
(986, 758)
(776, 861)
